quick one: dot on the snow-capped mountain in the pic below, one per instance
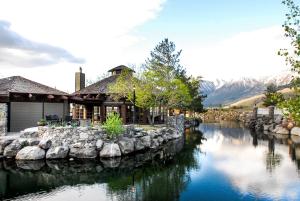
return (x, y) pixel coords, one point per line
(222, 92)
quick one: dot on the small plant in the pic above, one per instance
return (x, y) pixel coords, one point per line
(113, 125)
(42, 122)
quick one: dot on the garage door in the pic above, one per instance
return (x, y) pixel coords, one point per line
(26, 115)
(54, 108)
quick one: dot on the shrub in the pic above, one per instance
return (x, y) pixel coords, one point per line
(42, 122)
(291, 108)
(113, 125)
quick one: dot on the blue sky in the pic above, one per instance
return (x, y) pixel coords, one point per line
(212, 20)
(220, 39)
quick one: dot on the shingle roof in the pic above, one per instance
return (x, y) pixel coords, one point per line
(100, 87)
(121, 67)
(18, 84)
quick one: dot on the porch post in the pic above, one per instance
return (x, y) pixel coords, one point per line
(123, 113)
(102, 113)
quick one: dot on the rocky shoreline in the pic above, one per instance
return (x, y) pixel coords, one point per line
(274, 124)
(87, 142)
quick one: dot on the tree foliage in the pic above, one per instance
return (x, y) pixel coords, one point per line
(292, 28)
(163, 83)
(272, 96)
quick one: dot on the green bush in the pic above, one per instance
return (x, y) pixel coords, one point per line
(42, 122)
(113, 125)
(291, 108)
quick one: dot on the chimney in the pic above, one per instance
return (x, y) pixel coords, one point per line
(79, 80)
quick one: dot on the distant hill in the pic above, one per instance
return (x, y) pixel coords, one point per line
(222, 92)
(257, 99)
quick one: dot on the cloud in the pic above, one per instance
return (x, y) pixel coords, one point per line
(105, 33)
(246, 54)
(245, 165)
(19, 51)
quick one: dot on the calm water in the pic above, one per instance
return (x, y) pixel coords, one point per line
(217, 162)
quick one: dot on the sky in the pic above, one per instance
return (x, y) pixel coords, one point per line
(47, 41)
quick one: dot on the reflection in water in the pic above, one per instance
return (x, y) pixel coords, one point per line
(142, 177)
(216, 162)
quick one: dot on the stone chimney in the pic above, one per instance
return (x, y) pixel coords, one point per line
(79, 80)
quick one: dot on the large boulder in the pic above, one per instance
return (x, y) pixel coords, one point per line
(278, 119)
(12, 149)
(4, 143)
(45, 144)
(99, 144)
(30, 133)
(110, 150)
(281, 130)
(126, 145)
(57, 152)
(295, 131)
(83, 152)
(30, 165)
(143, 143)
(31, 153)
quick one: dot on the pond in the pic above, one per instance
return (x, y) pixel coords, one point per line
(213, 162)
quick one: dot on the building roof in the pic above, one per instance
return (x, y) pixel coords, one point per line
(121, 67)
(18, 84)
(100, 87)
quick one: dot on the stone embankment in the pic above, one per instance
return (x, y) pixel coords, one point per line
(217, 115)
(87, 143)
(270, 123)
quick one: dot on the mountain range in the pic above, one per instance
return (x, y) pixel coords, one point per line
(221, 92)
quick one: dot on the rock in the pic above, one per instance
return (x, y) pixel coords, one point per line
(6, 142)
(12, 149)
(30, 133)
(290, 126)
(99, 144)
(110, 150)
(146, 140)
(86, 152)
(84, 136)
(33, 141)
(76, 145)
(126, 145)
(267, 127)
(284, 123)
(295, 131)
(278, 119)
(57, 152)
(31, 153)
(281, 130)
(30, 165)
(111, 163)
(155, 144)
(45, 144)
(138, 129)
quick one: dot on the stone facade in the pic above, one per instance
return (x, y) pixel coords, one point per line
(177, 122)
(3, 118)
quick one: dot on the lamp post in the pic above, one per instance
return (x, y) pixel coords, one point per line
(134, 116)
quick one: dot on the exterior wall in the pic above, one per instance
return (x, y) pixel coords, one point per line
(3, 118)
(24, 114)
(177, 122)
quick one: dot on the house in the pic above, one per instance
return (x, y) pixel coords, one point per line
(94, 103)
(24, 102)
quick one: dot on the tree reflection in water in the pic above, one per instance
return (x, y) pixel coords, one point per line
(147, 176)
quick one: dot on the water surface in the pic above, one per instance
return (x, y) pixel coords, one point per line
(214, 162)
